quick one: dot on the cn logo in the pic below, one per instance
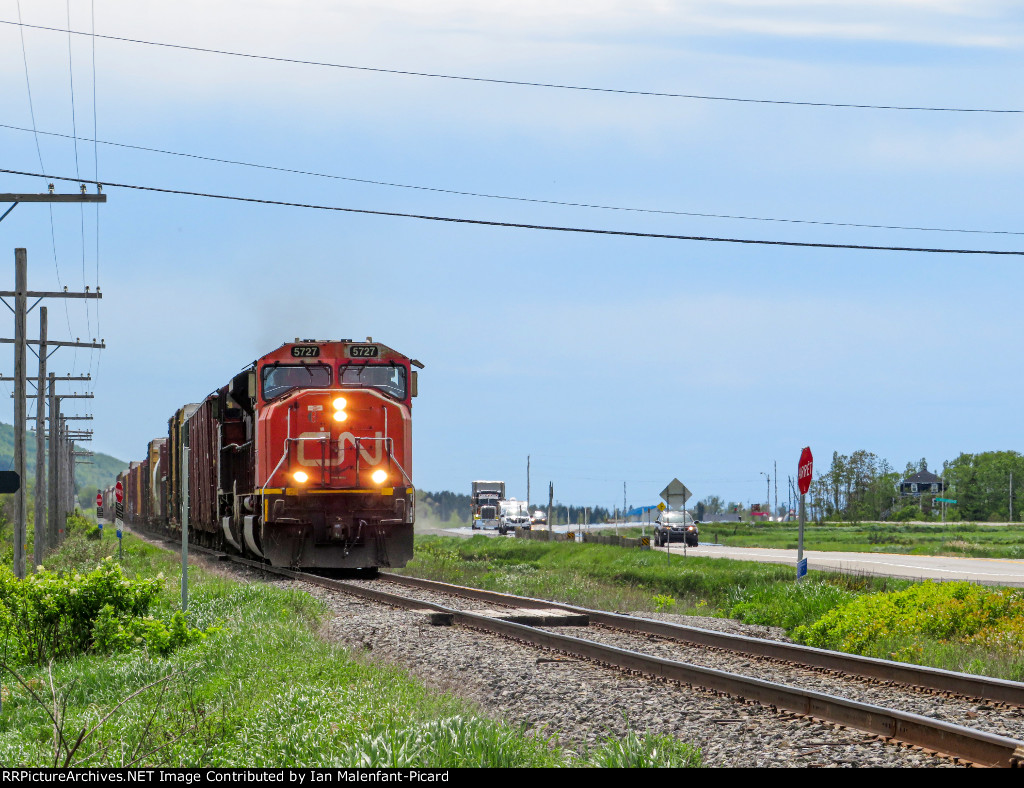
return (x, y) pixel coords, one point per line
(311, 455)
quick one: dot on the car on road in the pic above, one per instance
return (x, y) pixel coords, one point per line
(676, 527)
(514, 514)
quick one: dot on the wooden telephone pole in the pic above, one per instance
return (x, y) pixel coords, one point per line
(21, 343)
(21, 309)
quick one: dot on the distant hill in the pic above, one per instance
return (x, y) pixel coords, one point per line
(88, 478)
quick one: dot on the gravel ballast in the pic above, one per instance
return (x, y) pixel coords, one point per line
(580, 703)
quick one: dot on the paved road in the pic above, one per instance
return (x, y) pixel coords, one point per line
(990, 571)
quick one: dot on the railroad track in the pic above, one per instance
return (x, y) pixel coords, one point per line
(962, 744)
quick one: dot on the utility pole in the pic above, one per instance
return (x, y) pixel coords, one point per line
(21, 294)
(60, 474)
(551, 498)
(776, 471)
(21, 310)
(39, 547)
(46, 516)
(527, 483)
(51, 509)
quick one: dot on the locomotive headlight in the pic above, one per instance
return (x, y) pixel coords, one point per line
(301, 477)
(339, 403)
(379, 476)
(340, 415)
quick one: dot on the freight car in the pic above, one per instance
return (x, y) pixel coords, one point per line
(303, 459)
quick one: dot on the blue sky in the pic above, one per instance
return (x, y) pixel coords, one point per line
(605, 359)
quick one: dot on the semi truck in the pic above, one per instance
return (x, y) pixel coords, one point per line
(485, 504)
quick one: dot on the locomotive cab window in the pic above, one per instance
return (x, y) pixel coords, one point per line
(282, 378)
(389, 378)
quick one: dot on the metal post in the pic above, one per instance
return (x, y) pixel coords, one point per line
(20, 311)
(39, 552)
(668, 541)
(184, 522)
(527, 483)
(800, 539)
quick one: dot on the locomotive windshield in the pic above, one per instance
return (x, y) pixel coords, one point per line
(389, 378)
(282, 378)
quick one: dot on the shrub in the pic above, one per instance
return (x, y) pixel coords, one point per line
(787, 604)
(948, 612)
(114, 633)
(52, 616)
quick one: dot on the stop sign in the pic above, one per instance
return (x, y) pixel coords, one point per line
(804, 470)
(99, 499)
(119, 492)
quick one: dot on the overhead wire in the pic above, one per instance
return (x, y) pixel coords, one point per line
(524, 226)
(74, 130)
(96, 175)
(39, 153)
(534, 200)
(516, 82)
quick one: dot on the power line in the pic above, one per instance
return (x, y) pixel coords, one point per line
(518, 225)
(39, 153)
(516, 82)
(96, 175)
(74, 130)
(535, 200)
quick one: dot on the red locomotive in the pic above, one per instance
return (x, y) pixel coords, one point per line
(304, 459)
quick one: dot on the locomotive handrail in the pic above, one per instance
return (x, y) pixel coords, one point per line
(236, 445)
(284, 455)
(389, 447)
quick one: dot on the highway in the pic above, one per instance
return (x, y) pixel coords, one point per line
(987, 571)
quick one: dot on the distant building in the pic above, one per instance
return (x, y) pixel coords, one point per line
(922, 483)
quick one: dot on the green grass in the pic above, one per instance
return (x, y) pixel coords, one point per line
(602, 576)
(615, 578)
(974, 540)
(263, 691)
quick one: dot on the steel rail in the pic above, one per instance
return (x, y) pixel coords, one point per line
(916, 676)
(942, 738)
